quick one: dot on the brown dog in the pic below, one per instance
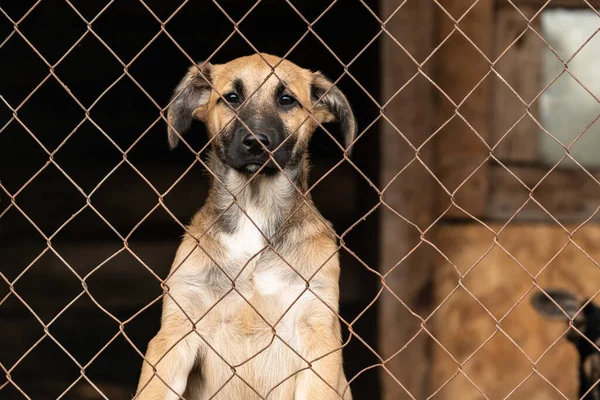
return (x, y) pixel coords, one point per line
(253, 291)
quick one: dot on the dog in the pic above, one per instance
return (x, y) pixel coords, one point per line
(251, 301)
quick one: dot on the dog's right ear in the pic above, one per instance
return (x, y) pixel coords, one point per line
(546, 307)
(190, 99)
(330, 104)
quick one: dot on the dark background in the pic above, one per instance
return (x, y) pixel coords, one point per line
(112, 204)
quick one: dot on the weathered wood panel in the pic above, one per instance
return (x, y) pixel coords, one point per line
(537, 4)
(568, 195)
(410, 195)
(519, 54)
(499, 287)
(462, 73)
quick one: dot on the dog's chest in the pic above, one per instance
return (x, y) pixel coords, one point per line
(259, 271)
(248, 236)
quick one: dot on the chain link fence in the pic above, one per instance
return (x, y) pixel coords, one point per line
(359, 178)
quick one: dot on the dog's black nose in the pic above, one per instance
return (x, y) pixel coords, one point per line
(251, 141)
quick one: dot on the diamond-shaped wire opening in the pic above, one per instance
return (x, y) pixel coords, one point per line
(572, 259)
(114, 24)
(465, 166)
(280, 18)
(394, 205)
(506, 282)
(87, 144)
(52, 41)
(348, 183)
(101, 67)
(39, 114)
(124, 113)
(46, 354)
(570, 207)
(32, 286)
(89, 339)
(449, 379)
(401, 250)
(365, 365)
(156, 77)
(55, 210)
(510, 363)
(23, 147)
(198, 42)
(124, 215)
(339, 14)
(137, 285)
(523, 318)
(26, 68)
(464, 333)
(410, 90)
(21, 328)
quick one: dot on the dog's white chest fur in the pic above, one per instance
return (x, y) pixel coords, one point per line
(248, 239)
(255, 216)
(244, 247)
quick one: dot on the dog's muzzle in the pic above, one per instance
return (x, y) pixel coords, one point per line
(262, 144)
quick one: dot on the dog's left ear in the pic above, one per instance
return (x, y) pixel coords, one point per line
(190, 100)
(332, 106)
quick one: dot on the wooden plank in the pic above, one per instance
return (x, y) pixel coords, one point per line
(125, 198)
(462, 325)
(461, 67)
(570, 195)
(520, 66)
(411, 196)
(537, 4)
(120, 283)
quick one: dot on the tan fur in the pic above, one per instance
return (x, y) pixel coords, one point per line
(264, 328)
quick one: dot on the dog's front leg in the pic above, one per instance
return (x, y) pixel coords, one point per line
(171, 355)
(319, 334)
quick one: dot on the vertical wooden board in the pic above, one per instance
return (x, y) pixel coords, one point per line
(463, 74)
(410, 196)
(519, 53)
(498, 361)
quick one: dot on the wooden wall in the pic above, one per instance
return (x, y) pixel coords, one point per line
(488, 341)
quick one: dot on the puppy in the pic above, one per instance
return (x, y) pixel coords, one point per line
(252, 296)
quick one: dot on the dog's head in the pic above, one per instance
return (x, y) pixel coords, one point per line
(252, 110)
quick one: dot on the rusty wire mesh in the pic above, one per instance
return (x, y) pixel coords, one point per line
(380, 188)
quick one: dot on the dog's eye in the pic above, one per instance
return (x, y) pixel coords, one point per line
(287, 100)
(232, 98)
